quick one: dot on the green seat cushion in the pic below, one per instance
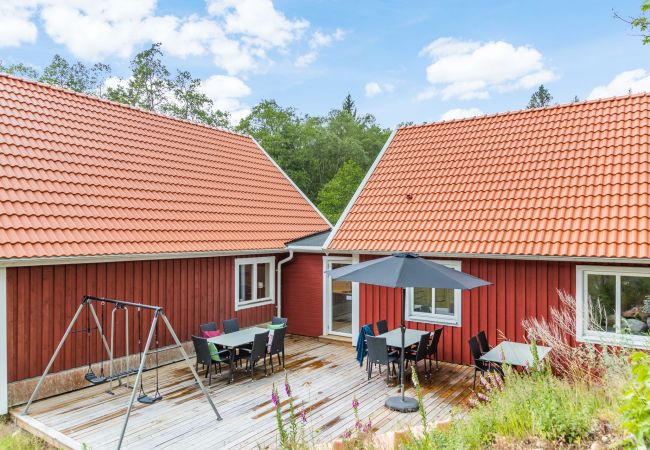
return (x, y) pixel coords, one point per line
(275, 327)
(214, 352)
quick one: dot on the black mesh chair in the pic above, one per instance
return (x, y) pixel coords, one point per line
(256, 352)
(382, 327)
(420, 353)
(432, 352)
(210, 326)
(378, 354)
(279, 321)
(483, 341)
(207, 358)
(277, 346)
(480, 365)
(230, 326)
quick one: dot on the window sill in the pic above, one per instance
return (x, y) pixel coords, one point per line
(632, 341)
(253, 304)
(451, 322)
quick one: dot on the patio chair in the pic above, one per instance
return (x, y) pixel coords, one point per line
(382, 327)
(230, 325)
(208, 355)
(210, 326)
(432, 351)
(420, 353)
(378, 354)
(256, 352)
(479, 365)
(279, 321)
(277, 345)
(483, 341)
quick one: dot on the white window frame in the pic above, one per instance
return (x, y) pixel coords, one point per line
(604, 337)
(239, 304)
(438, 319)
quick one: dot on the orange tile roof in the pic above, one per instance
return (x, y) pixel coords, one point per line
(83, 176)
(569, 180)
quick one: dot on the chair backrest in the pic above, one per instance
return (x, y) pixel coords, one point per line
(483, 342)
(260, 342)
(279, 321)
(423, 347)
(230, 325)
(210, 326)
(277, 342)
(377, 350)
(475, 349)
(382, 327)
(433, 346)
(201, 349)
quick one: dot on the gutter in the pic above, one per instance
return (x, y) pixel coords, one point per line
(279, 288)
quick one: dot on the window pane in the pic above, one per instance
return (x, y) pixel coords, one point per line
(601, 302)
(245, 282)
(263, 280)
(634, 314)
(445, 301)
(422, 300)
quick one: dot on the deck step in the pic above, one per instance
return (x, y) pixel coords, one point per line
(333, 339)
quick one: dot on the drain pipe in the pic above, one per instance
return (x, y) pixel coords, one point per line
(279, 288)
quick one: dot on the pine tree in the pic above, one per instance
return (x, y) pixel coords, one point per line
(540, 98)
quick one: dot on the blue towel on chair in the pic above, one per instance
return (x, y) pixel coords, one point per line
(361, 343)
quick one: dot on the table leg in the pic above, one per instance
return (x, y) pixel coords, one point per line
(232, 364)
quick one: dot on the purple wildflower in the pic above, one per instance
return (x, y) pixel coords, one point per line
(355, 403)
(347, 434)
(367, 427)
(483, 397)
(303, 416)
(287, 389)
(274, 398)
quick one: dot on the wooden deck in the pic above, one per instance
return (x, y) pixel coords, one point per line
(324, 376)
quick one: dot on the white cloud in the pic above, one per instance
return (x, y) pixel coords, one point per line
(625, 82)
(238, 34)
(16, 26)
(459, 113)
(472, 70)
(226, 92)
(374, 88)
(319, 40)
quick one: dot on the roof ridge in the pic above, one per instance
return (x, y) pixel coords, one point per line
(118, 104)
(526, 110)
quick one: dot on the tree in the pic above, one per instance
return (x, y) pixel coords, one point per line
(77, 76)
(540, 98)
(336, 194)
(640, 23)
(349, 106)
(19, 70)
(149, 83)
(192, 104)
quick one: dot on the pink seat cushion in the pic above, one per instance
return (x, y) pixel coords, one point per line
(209, 334)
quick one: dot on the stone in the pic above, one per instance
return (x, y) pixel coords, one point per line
(635, 326)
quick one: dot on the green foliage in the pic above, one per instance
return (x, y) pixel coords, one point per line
(311, 150)
(192, 104)
(540, 98)
(336, 194)
(19, 70)
(640, 23)
(635, 405)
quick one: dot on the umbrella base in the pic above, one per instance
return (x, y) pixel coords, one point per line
(406, 405)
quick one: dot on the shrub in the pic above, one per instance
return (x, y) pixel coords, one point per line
(635, 405)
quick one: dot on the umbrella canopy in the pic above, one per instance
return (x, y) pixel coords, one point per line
(407, 270)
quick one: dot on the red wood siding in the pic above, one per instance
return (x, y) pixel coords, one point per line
(41, 301)
(520, 289)
(302, 294)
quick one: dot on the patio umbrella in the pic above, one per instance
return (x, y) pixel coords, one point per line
(406, 270)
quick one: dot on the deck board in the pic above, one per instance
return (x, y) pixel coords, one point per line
(324, 378)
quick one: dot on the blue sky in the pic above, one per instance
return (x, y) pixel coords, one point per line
(402, 61)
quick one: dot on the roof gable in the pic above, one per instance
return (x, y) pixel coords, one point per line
(85, 177)
(564, 181)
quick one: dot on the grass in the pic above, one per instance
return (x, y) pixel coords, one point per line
(12, 438)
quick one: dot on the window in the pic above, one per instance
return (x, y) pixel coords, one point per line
(613, 305)
(440, 306)
(254, 282)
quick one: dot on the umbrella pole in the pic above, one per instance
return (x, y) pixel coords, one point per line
(402, 403)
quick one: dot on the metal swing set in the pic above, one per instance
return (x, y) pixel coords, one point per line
(137, 394)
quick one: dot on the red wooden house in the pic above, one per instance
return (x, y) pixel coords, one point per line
(102, 199)
(533, 201)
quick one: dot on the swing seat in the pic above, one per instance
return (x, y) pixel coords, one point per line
(145, 399)
(95, 379)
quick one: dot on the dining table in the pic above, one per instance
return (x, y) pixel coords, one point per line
(236, 339)
(394, 337)
(514, 354)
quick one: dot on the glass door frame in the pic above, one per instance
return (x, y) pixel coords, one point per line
(327, 296)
